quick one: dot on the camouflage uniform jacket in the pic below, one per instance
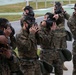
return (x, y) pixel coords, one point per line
(27, 45)
(72, 25)
(51, 39)
(61, 32)
(44, 38)
(61, 20)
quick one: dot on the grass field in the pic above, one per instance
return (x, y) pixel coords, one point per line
(18, 8)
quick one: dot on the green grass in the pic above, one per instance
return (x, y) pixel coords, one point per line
(11, 17)
(14, 17)
(18, 8)
(12, 8)
(67, 2)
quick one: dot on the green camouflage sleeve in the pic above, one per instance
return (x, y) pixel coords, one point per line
(72, 25)
(43, 37)
(66, 15)
(61, 15)
(60, 19)
(25, 42)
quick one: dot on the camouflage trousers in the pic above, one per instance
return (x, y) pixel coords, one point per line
(30, 67)
(52, 57)
(14, 66)
(74, 58)
(60, 40)
(4, 68)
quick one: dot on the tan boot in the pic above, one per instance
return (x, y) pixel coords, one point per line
(65, 68)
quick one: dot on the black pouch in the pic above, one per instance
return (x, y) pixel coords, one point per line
(46, 67)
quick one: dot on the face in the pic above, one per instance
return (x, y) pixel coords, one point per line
(26, 11)
(43, 24)
(45, 17)
(8, 31)
(25, 26)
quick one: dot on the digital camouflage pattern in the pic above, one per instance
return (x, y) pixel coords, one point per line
(49, 52)
(4, 48)
(4, 67)
(61, 20)
(27, 48)
(72, 26)
(14, 64)
(61, 26)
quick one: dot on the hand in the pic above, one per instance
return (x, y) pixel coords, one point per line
(54, 26)
(7, 53)
(3, 39)
(33, 29)
(56, 16)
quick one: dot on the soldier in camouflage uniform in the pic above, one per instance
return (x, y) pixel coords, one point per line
(5, 69)
(14, 65)
(49, 51)
(72, 25)
(28, 10)
(27, 48)
(61, 25)
(5, 50)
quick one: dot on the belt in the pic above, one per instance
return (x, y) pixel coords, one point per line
(25, 60)
(28, 59)
(48, 50)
